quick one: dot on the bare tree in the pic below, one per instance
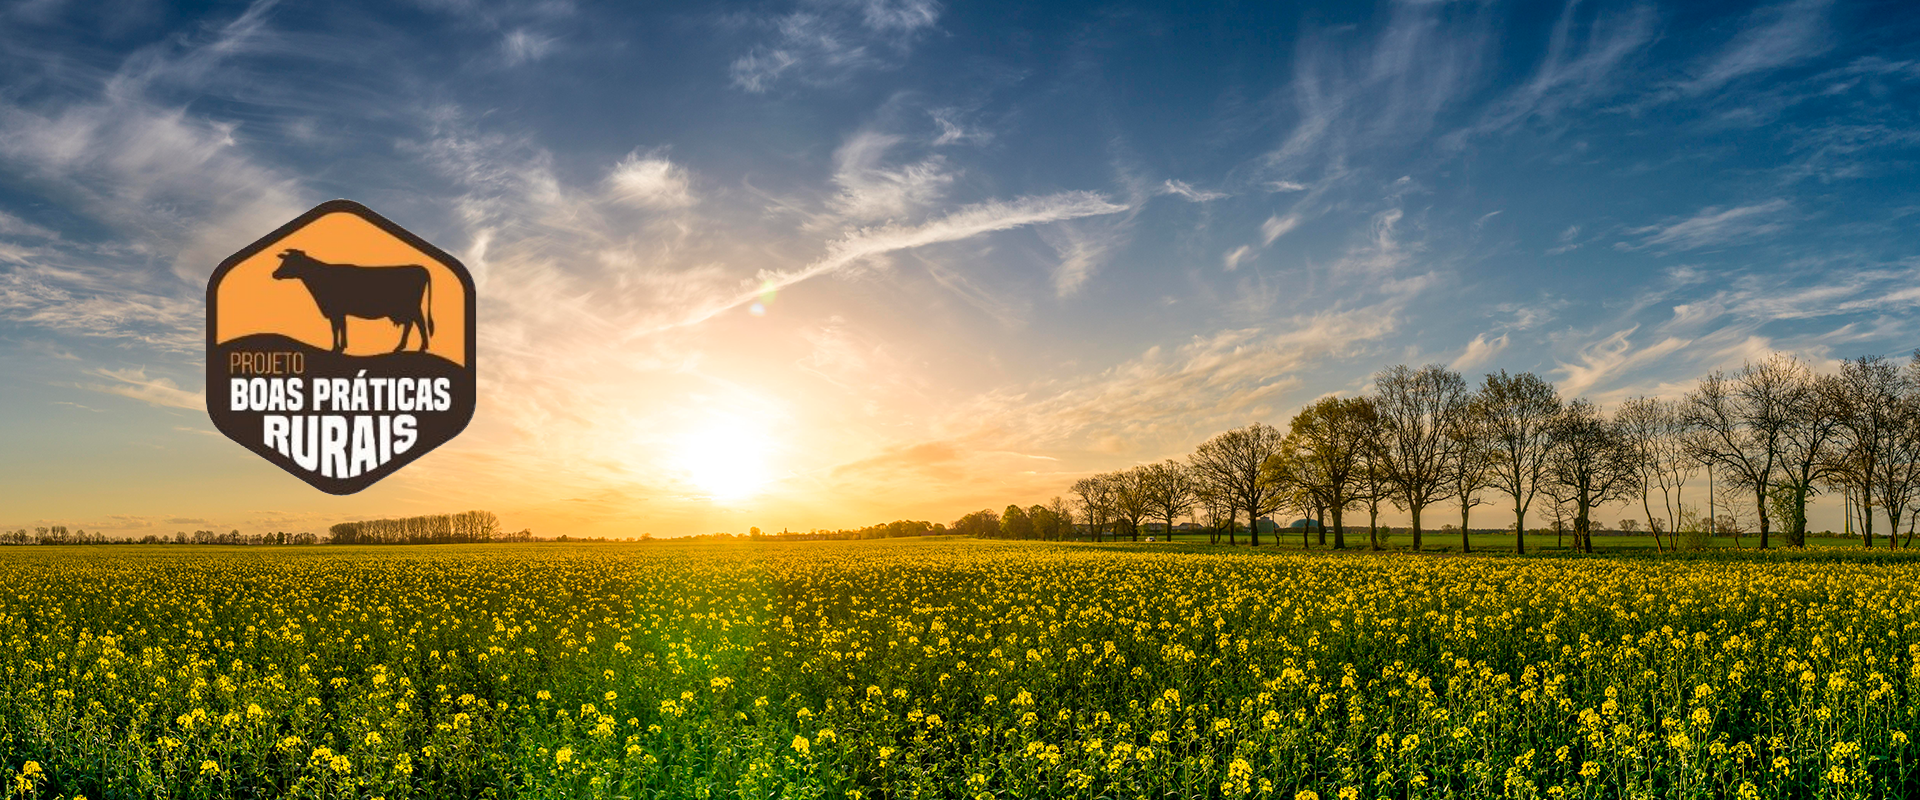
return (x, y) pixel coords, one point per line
(1169, 490)
(1218, 507)
(1095, 494)
(1300, 487)
(1742, 423)
(1413, 408)
(1868, 410)
(1519, 411)
(1815, 405)
(1471, 432)
(1132, 498)
(1328, 442)
(1659, 437)
(1062, 517)
(1593, 462)
(1558, 499)
(1232, 463)
(1898, 473)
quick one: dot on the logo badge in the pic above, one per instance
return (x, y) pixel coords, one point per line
(340, 347)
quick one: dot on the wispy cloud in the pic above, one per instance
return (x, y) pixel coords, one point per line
(1384, 251)
(1714, 225)
(964, 223)
(1182, 189)
(1770, 38)
(1611, 356)
(870, 191)
(825, 40)
(1819, 288)
(1277, 226)
(1480, 351)
(1005, 307)
(1233, 257)
(1166, 399)
(13, 226)
(1583, 63)
(46, 289)
(523, 46)
(651, 181)
(134, 383)
(1084, 248)
(1386, 92)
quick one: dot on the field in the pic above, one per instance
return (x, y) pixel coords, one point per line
(952, 668)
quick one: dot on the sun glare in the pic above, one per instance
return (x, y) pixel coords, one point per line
(726, 460)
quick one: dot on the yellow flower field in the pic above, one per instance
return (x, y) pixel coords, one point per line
(978, 669)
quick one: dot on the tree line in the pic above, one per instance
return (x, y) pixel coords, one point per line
(465, 527)
(1425, 440)
(884, 530)
(61, 535)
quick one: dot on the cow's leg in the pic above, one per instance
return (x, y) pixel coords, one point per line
(406, 327)
(339, 334)
(422, 322)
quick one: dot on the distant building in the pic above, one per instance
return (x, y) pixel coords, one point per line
(1303, 522)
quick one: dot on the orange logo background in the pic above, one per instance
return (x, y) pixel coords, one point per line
(252, 301)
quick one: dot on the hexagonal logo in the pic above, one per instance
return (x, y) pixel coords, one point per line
(340, 347)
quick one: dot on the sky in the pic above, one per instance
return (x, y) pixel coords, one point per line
(828, 263)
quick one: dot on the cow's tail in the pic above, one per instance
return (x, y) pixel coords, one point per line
(429, 304)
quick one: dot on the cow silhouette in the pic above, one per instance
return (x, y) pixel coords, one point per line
(342, 290)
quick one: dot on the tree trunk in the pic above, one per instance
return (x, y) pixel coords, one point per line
(1416, 525)
(1320, 522)
(1760, 505)
(1253, 526)
(1465, 546)
(1519, 530)
(1373, 525)
(1231, 526)
(1646, 504)
(1339, 529)
(1866, 516)
(1583, 529)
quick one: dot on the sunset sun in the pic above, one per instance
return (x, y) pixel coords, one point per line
(726, 459)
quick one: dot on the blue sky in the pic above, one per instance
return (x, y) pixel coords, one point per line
(829, 263)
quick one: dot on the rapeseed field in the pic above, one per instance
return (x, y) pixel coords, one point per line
(949, 669)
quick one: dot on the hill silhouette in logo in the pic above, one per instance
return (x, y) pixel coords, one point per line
(323, 362)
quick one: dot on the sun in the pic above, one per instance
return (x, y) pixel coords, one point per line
(726, 459)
